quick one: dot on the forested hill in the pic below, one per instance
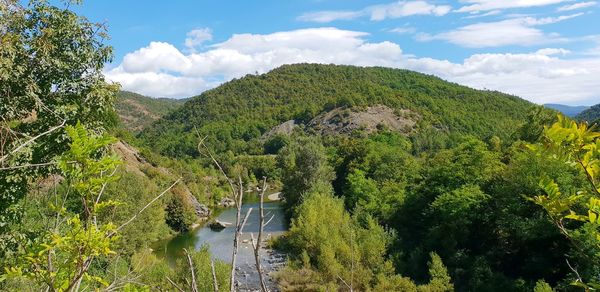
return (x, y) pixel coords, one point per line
(137, 111)
(590, 115)
(242, 110)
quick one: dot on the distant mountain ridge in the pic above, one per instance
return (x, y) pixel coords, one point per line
(137, 111)
(236, 114)
(568, 110)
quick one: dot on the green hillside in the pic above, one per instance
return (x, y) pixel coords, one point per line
(590, 115)
(137, 111)
(242, 110)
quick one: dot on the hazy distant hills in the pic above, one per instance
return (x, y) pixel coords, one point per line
(570, 111)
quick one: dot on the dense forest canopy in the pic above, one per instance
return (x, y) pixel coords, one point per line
(236, 114)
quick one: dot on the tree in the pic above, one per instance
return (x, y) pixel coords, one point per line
(51, 63)
(304, 168)
(180, 213)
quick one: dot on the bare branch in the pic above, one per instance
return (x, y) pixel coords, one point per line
(28, 165)
(574, 271)
(236, 238)
(174, 285)
(3, 158)
(214, 275)
(349, 287)
(269, 221)
(229, 181)
(144, 208)
(257, 245)
(194, 285)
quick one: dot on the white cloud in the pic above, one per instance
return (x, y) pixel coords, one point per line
(579, 5)
(156, 57)
(476, 6)
(540, 76)
(158, 84)
(197, 37)
(379, 12)
(329, 16)
(516, 31)
(403, 30)
(406, 8)
(552, 51)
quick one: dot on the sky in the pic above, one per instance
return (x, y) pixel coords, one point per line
(545, 51)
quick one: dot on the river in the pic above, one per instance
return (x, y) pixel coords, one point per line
(220, 243)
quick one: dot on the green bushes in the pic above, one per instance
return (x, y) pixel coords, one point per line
(181, 215)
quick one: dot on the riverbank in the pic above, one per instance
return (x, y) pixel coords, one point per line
(272, 261)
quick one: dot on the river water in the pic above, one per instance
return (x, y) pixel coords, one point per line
(220, 243)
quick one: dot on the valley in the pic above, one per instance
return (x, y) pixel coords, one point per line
(314, 159)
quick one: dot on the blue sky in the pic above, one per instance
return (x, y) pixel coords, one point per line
(541, 50)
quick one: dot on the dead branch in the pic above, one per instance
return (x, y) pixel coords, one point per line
(236, 238)
(257, 245)
(209, 154)
(144, 208)
(194, 285)
(3, 158)
(214, 275)
(174, 285)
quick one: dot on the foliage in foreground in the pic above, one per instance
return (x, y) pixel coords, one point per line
(576, 212)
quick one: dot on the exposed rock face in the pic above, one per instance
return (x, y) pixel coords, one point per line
(348, 120)
(202, 211)
(285, 128)
(134, 162)
(227, 203)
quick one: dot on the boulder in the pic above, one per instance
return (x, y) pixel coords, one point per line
(218, 225)
(227, 203)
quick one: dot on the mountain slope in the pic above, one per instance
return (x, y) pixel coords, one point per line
(137, 111)
(567, 110)
(590, 115)
(241, 110)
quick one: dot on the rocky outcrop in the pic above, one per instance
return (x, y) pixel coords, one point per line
(286, 128)
(227, 203)
(369, 120)
(202, 211)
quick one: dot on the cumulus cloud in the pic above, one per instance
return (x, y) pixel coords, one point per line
(476, 6)
(379, 12)
(197, 37)
(516, 31)
(541, 76)
(579, 5)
